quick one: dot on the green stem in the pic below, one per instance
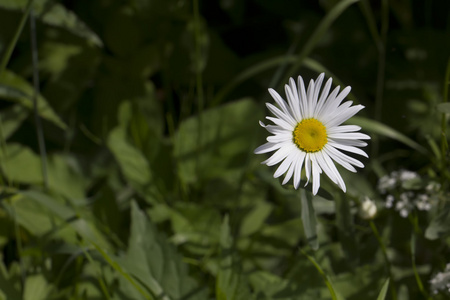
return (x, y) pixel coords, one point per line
(381, 45)
(12, 44)
(413, 262)
(386, 258)
(37, 119)
(199, 79)
(444, 144)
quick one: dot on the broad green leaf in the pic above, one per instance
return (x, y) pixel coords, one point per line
(63, 171)
(439, 226)
(196, 224)
(8, 288)
(155, 263)
(132, 162)
(384, 130)
(217, 142)
(230, 283)
(56, 14)
(255, 219)
(383, 291)
(16, 89)
(36, 288)
(309, 219)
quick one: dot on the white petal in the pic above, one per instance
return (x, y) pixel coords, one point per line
(298, 168)
(302, 95)
(348, 148)
(279, 155)
(351, 142)
(310, 95)
(281, 137)
(280, 115)
(349, 136)
(331, 152)
(324, 110)
(307, 168)
(343, 128)
(296, 99)
(331, 105)
(338, 154)
(344, 116)
(281, 103)
(282, 123)
(293, 103)
(318, 84)
(284, 166)
(315, 176)
(323, 97)
(333, 170)
(267, 147)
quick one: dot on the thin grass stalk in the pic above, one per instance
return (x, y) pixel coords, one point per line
(37, 119)
(381, 45)
(12, 44)
(416, 274)
(444, 143)
(198, 77)
(322, 273)
(386, 258)
(321, 29)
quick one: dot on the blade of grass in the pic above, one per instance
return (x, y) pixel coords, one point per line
(122, 272)
(444, 144)
(383, 291)
(12, 44)
(382, 129)
(267, 65)
(334, 294)
(317, 35)
(386, 258)
(37, 119)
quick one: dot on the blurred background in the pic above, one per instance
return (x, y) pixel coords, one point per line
(137, 179)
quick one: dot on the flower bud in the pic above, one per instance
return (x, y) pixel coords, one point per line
(368, 209)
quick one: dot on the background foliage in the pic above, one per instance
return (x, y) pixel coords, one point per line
(149, 188)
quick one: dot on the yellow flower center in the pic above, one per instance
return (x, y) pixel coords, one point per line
(310, 135)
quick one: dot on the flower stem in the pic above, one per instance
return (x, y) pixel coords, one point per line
(388, 263)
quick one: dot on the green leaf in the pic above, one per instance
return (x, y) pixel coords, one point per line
(439, 226)
(155, 263)
(309, 219)
(8, 288)
(444, 108)
(36, 288)
(63, 171)
(15, 88)
(11, 119)
(384, 130)
(383, 291)
(255, 219)
(132, 162)
(217, 142)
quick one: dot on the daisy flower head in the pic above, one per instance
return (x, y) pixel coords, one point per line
(307, 133)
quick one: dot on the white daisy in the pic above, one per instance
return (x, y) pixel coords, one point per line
(308, 132)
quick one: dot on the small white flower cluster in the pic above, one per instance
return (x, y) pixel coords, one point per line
(405, 191)
(441, 281)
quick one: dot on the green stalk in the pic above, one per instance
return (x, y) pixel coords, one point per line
(37, 119)
(444, 144)
(12, 44)
(381, 45)
(386, 258)
(198, 76)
